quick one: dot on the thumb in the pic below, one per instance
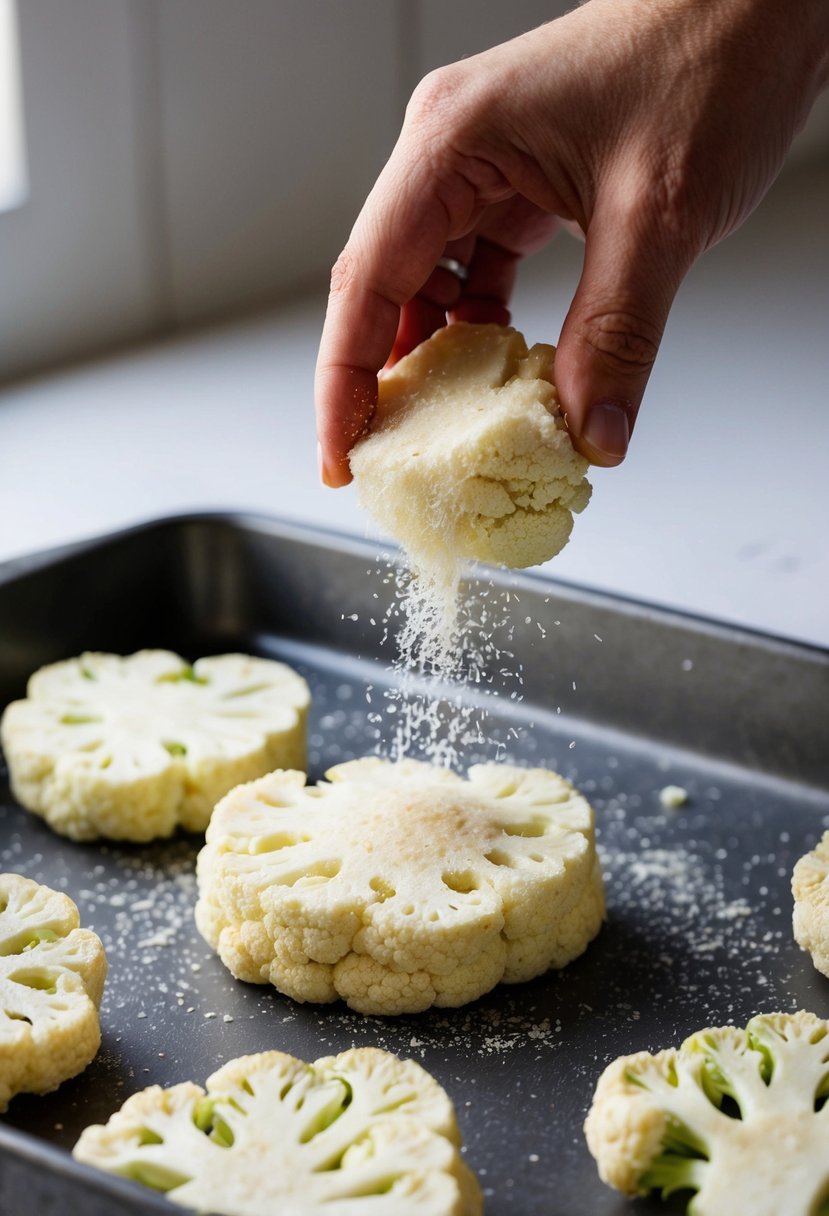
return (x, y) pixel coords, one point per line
(612, 332)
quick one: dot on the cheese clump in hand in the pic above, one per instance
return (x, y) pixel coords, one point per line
(468, 455)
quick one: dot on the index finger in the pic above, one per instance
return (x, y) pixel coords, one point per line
(399, 235)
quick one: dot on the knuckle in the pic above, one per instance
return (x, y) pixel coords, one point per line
(625, 342)
(669, 196)
(675, 204)
(435, 98)
(343, 274)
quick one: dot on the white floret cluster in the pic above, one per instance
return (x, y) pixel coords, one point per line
(52, 977)
(131, 748)
(810, 888)
(739, 1117)
(400, 886)
(361, 1132)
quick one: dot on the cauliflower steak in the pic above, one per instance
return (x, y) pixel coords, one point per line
(810, 888)
(737, 1116)
(399, 886)
(132, 748)
(468, 454)
(361, 1132)
(51, 980)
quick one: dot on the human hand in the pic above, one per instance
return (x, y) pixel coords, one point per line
(655, 129)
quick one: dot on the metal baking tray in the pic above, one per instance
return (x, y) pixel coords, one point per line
(622, 698)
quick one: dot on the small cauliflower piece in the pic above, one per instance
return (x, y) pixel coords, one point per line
(810, 888)
(131, 748)
(358, 1133)
(737, 1116)
(51, 980)
(399, 886)
(468, 454)
(673, 797)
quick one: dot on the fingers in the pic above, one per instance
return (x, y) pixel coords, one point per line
(481, 298)
(346, 387)
(399, 235)
(489, 285)
(505, 232)
(427, 311)
(612, 332)
(418, 321)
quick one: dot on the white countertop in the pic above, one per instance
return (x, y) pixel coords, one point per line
(721, 508)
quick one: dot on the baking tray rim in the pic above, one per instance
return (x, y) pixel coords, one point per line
(37, 1153)
(348, 542)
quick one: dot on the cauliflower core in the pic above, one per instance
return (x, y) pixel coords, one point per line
(399, 886)
(51, 979)
(362, 1132)
(468, 455)
(738, 1116)
(810, 888)
(132, 748)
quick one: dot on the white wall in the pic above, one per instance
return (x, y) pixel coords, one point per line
(187, 158)
(190, 158)
(77, 268)
(275, 117)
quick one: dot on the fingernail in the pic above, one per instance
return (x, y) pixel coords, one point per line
(321, 466)
(607, 428)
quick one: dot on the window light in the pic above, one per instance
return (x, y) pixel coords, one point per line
(14, 185)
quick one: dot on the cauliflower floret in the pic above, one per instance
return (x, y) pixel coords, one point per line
(399, 886)
(810, 888)
(361, 1132)
(132, 748)
(51, 979)
(736, 1116)
(673, 797)
(468, 454)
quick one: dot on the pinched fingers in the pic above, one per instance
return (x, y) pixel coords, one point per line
(612, 332)
(439, 295)
(489, 285)
(506, 232)
(490, 257)
(352, 348)
(391, 253)
(472, 281)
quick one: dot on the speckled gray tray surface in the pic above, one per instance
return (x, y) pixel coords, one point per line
(699, 907)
